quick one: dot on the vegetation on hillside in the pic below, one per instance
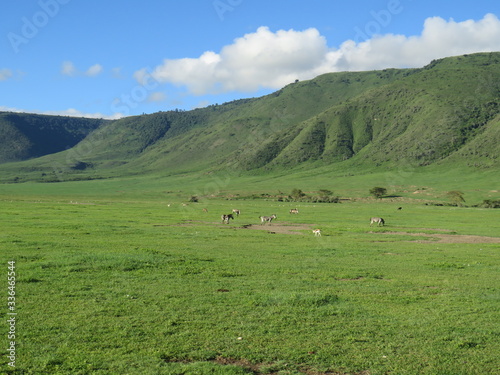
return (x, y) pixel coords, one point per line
(25, 136)
(447, 113)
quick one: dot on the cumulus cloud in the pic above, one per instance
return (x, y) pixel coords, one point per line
(69, 69)
(266, 59)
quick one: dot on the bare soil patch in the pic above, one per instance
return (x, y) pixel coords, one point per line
(281, 228)
(447, 238)
(269, 368)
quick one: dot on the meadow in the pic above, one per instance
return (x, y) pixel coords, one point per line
(110, 280)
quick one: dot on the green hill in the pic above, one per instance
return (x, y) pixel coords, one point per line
(446, 113)
(26, 136)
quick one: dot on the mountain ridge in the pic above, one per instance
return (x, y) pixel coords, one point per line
(445, 112)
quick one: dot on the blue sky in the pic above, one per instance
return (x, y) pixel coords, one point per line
(111, 59)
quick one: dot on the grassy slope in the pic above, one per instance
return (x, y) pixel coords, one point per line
(202, 138)
(419, 119)
(26, 136)
(375, 128)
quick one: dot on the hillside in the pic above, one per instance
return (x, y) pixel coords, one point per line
(25, 136)
(446, 113)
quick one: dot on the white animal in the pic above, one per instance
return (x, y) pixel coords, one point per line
(268, 219)
(378, 220)
(317, 232)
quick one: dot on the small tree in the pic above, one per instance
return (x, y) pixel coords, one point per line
(378, 192)
(297, 194)
(457, 197)
(327, 196)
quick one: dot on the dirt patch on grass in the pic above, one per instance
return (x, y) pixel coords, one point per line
(447, 238)
(281, 228)
(272, 369)
(273, 228)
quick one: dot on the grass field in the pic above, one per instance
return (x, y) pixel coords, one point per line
(110, 280)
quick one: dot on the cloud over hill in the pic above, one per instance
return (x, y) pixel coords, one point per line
(267, 59)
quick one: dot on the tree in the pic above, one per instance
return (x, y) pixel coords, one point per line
(297, 194)
(327, 196)
(457, 197)
(378, 192)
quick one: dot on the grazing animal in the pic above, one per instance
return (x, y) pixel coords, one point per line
(294, 211)
(378, 220)
(225, 218)
(400, 208)
(317, 232)
(268, 219)
(237, 212)
(205, 210)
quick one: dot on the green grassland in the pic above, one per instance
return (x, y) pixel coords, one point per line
(119, 277)
(119, 270)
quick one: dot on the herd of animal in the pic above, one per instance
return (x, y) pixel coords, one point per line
(268, 219)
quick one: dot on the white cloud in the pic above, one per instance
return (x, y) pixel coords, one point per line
(157, 97)
(5, 74)
(439, 39)
(267, 59)
(94, 70)
(69, 69)
(117, 73)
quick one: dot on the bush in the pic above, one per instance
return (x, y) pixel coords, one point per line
(489, 203)
(456, 197)
(297, 194)
(378, 192)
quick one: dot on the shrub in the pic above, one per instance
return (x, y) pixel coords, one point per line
(456, 197)
(489, 203)
(378, 192)
(297, 194)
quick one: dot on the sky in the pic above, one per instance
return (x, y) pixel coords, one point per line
(110, 59)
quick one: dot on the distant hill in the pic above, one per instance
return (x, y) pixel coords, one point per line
(445, 113)
(26, 136)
